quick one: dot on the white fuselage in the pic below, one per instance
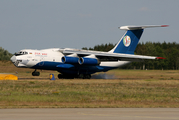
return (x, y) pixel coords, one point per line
(38, 59)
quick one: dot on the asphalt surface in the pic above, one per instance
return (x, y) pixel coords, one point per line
(90, 114)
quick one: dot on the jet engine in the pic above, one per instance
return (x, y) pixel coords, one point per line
(74, 59)
(88, 61)
(70, 60)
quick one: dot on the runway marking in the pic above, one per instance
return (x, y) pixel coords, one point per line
(156, 117)
(94, 114)
(129, 116)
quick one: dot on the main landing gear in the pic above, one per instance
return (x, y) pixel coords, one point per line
(65, 76)
(35, 73)
(84, 76)
(68, 76)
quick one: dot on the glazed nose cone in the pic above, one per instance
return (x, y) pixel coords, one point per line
(13, 58)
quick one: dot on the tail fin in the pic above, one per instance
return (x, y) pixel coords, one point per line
(130, 39)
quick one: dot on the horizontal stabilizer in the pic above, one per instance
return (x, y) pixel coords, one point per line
(140, 27)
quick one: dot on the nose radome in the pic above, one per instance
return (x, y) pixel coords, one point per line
(13, 58)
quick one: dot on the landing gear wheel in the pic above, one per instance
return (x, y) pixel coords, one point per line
(84, 76)
(81, 76)
(65, 76)
(35, 73)
(87, 76)
(60, 76)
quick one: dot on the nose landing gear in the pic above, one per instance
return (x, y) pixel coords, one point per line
(35, 73)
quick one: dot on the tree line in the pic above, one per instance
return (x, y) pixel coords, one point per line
(170, 51)
(4, 55)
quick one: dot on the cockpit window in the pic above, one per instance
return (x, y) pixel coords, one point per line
(21, 53)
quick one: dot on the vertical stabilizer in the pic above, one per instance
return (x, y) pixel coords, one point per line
(130, 39)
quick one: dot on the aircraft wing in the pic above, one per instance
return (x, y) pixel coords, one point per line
(106, 56)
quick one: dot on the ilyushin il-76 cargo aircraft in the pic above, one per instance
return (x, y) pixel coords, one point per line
(75, 63)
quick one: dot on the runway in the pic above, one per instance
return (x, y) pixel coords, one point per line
(90, 114)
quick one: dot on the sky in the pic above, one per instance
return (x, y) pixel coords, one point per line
(42, 24)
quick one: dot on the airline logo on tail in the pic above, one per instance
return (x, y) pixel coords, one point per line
(127, 41)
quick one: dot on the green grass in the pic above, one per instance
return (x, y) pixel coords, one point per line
(130, 88)
(89, 93)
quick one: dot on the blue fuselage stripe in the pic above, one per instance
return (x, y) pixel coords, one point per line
(61, 67)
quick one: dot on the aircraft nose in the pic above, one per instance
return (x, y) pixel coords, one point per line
(13, 58)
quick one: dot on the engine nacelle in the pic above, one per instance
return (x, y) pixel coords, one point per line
(70, 60)
(88, 61)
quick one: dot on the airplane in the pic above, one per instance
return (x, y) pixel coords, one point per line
(76, 63)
